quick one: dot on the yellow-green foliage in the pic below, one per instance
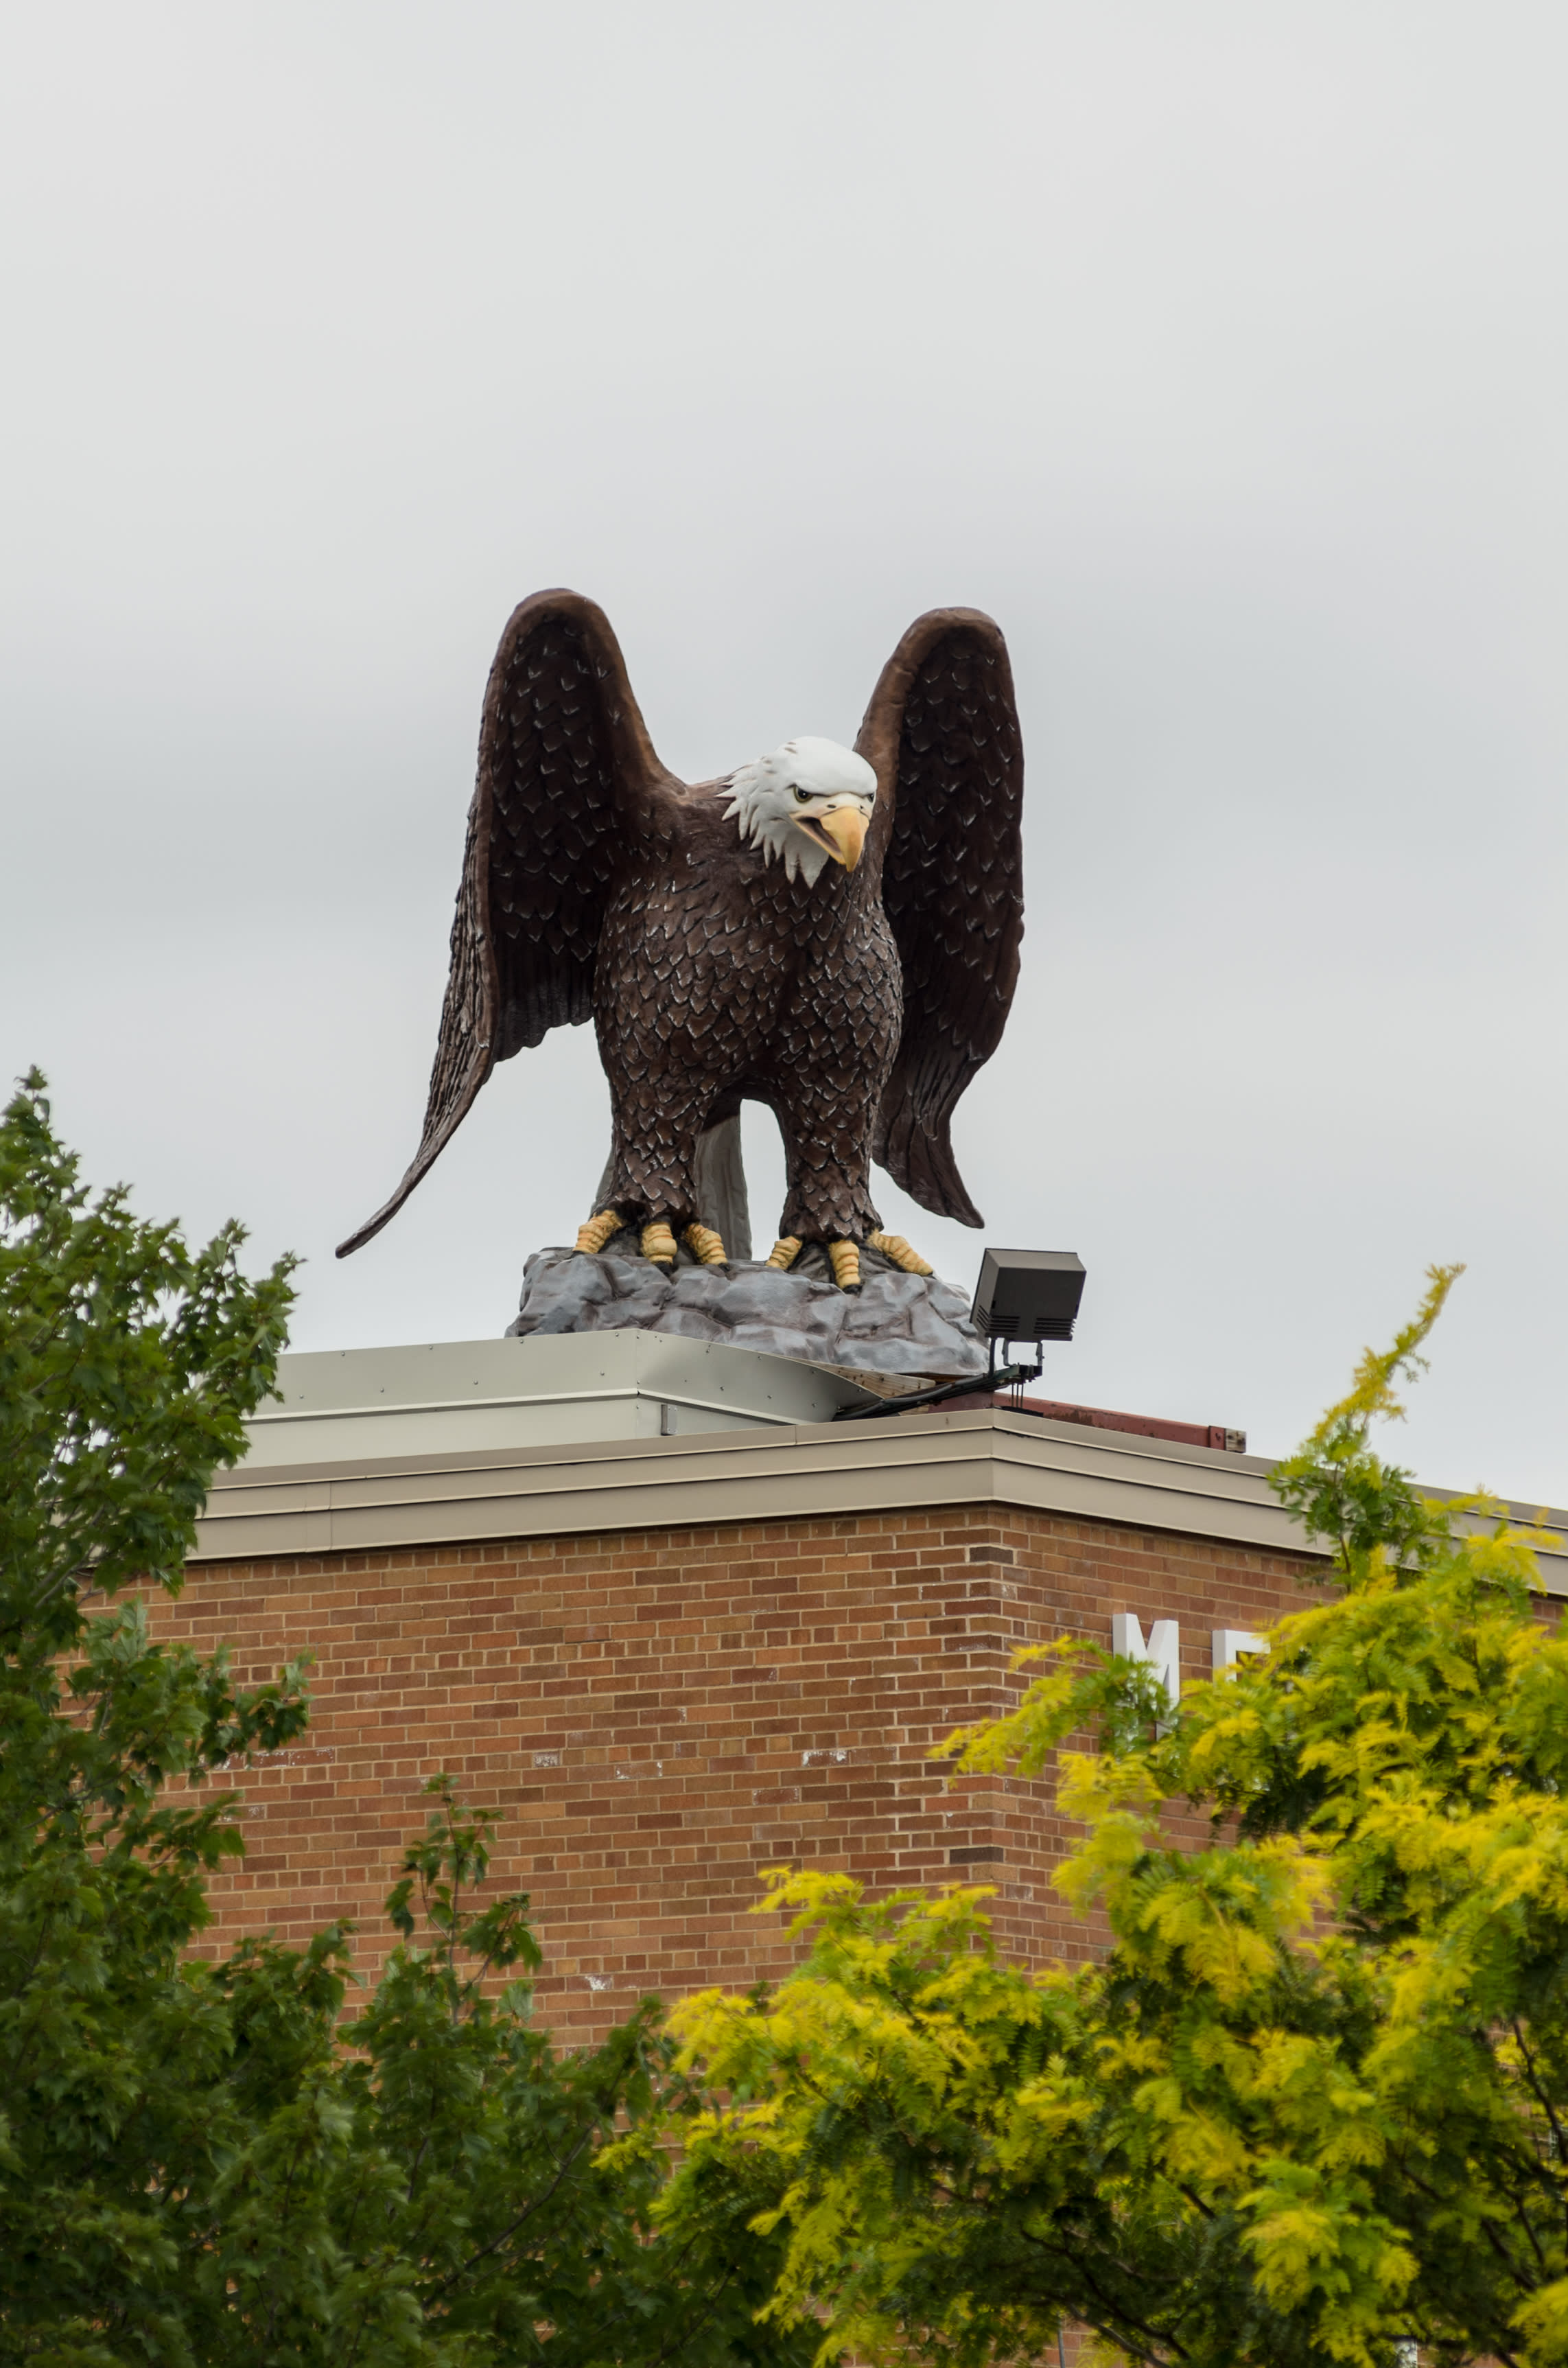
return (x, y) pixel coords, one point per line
(1313, 2102)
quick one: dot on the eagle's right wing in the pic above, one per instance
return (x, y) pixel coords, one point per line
(567, 774)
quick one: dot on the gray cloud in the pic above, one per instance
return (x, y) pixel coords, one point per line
(1219, 352)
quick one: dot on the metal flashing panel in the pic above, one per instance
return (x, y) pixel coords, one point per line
(356, 1405)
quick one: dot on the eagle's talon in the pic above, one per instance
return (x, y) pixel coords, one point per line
(894, 1247)
(784, 1253)
(658, 1244)
(592, 1237)
(844, 1259)
(705, 1244)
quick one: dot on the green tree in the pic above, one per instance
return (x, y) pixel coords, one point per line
(446, 2188)
(200, 2162)
(1311, 2104)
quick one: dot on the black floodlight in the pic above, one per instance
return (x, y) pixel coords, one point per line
(1021, 1295)
(1028, 1294)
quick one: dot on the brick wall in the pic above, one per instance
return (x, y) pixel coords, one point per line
(660, 1715)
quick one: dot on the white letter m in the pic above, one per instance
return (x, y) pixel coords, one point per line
(1162, 1651)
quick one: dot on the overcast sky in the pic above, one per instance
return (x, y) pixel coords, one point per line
(1218, 350)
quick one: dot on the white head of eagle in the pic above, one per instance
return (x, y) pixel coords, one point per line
(809, 804)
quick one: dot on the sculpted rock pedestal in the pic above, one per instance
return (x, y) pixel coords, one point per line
(900, 1325)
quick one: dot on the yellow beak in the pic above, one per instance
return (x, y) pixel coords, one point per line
(845, 825)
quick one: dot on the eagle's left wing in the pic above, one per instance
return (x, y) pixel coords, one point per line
(567, 779)
(941, 734)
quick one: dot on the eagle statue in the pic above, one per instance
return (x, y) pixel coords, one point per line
(833, 932)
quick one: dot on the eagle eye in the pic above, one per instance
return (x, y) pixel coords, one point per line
(802, 797)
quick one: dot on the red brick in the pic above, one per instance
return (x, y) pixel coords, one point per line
(696, 1687)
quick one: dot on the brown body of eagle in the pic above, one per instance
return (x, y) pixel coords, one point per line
(597, 885)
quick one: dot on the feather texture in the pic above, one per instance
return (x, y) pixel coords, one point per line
(942, 732)
(566, 774)
(857, 1003)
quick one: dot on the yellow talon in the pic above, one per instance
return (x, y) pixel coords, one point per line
(705, 1244)
(784, 1253)
(593, 1237)
(844, 1259)
(894, 1247)
(658, 1244)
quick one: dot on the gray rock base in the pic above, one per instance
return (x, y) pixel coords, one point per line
(899, 1324)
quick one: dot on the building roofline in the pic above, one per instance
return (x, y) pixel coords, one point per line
(915, 1463)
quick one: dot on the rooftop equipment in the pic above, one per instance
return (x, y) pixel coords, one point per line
(1021, 1295)
(1028, 1294)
